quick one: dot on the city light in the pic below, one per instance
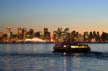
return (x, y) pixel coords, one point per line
(34, 40)
(60, 35)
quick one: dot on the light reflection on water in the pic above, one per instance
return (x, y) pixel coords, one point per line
(72, 63)
(40, 57)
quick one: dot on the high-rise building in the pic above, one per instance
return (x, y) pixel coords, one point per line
(9, 34)
(38, 34)
(45, 30)
(58, 35)
(86, 36)
(30, 33)
(47, 35)
(19, 33)
(54, 35)
(24, 31)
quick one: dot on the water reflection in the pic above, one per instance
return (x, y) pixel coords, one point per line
(7, 48)
(76, 62)
(72, 62)
(26, 48)
(19, 48)
(40, 57)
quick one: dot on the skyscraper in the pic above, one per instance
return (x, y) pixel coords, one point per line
(47, 35)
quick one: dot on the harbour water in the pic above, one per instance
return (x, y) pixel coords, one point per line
(40, 57)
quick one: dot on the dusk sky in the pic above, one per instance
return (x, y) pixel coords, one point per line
(80, 15)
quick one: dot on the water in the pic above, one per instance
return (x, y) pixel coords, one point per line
(40, 57)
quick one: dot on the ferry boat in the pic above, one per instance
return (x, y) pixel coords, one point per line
(71, 47)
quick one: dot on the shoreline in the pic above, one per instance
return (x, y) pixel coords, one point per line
(49, 42)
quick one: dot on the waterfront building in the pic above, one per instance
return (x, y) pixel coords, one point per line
(19, 33)
(54, 36)
(47, 35)
(80, 38)
(66, 34)
(86, 36)
(30, 34)
(98, 37)
(90, 36)
(104, 37)
(38, 34)
(5, 38)
(59, 35)
(74, 35)
(24, 31)
(9, 34)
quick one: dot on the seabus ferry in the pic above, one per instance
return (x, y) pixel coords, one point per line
(71, 47)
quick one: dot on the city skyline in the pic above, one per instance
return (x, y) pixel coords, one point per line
(79, 15)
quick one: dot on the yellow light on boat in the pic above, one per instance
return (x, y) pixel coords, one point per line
(64, 46)
(74, 46)
(78, 47)
(83, 46)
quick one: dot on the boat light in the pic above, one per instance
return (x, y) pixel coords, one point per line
(78, 47)
(74, 46)
(64, 46)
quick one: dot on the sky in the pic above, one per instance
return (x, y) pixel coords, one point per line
(79, 15)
